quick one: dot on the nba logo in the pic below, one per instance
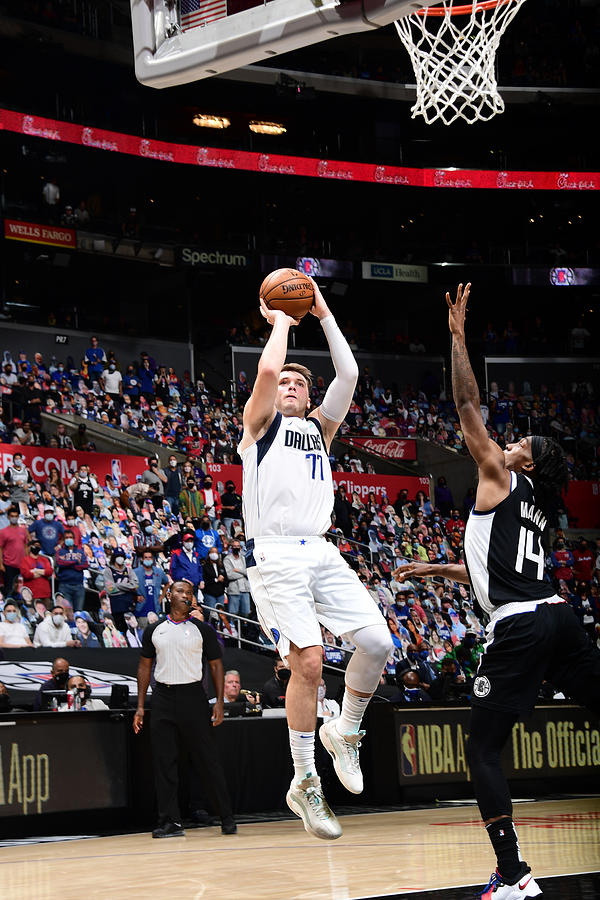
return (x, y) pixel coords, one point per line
(116, 471)
(408, 750)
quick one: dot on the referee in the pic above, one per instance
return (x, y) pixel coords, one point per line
(181, 714)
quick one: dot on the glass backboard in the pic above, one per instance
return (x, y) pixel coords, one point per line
(178, 41)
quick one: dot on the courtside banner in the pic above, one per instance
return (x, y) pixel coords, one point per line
(34, 233)
(382, 271)
(336, 170)
(391, 448)
(40, 461)
(554, 741)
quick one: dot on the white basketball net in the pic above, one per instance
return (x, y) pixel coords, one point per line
(454, 59)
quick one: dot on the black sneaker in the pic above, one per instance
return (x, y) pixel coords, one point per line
(168, 829)
(228, 825)
(199, 818)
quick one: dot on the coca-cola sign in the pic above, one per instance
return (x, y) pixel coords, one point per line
(392, 448)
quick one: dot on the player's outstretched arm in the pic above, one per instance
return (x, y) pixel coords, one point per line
(336, 402)
(451, 571)
(259, 411)
(486, 453)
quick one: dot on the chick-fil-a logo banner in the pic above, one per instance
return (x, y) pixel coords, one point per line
(187, 154)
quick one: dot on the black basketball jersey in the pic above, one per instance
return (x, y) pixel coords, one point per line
(503, 549)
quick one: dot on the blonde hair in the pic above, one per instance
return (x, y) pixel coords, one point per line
(301, 370)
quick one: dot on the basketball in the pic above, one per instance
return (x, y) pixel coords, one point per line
(289, 290)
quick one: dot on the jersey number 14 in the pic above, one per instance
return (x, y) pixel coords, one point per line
(526, 551)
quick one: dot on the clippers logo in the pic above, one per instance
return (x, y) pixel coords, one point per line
(408, 750)
(562, 275)
(23, 676)
(481, 686)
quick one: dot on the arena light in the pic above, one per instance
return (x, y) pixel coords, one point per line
(202, 120)
(267, 128)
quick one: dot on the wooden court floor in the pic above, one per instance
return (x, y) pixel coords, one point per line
(379, 853)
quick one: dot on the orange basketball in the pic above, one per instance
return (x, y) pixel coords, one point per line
(289, 290)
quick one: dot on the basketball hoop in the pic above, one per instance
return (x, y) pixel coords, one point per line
(453, 52)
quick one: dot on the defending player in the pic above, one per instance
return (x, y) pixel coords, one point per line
(531, 629)
(298, 578)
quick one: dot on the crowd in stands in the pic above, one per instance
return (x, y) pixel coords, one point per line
(149, 400)
(86, 561)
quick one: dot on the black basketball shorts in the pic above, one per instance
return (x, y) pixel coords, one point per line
(530, 647)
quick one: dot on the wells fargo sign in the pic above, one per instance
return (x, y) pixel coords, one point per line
(34, 233)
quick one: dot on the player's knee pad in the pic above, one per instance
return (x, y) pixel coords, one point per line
(373, 646)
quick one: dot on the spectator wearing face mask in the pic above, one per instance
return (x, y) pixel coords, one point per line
(173, 485)
(121, 585)
(54, 631)
(13, 633)
(231, 508)
(238, 586)
(207, 538)
(212, 500)
(562, 563)
(412, 690)
(59, 675)
(13, 541)
(71, 563)
(191, 500)
(583, 561)
(36, 570)
(87, 703)
(111, 382)
(18, 477)
(215, 579)
(186, 562)
(417, 660)
(273, 691)
(48, 531)
(153, 584)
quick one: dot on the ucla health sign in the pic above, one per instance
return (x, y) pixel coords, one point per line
(382, 271)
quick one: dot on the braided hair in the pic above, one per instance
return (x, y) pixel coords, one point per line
(551, 474)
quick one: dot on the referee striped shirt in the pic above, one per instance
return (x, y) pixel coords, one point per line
(178, 648)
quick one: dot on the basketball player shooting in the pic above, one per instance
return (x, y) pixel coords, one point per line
(299, 580)
(532, 634)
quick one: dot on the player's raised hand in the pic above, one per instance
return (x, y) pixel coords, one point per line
(272, 315)
(457, 309)
(407, 569)
(319, 308)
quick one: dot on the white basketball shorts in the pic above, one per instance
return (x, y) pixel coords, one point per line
(299, 584)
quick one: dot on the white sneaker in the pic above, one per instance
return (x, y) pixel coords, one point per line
(497, 889)
(343, 749)
(305, 798)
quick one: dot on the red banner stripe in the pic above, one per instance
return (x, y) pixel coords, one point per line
(187, 154)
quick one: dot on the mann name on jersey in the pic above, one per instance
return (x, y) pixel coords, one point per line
(534, 515)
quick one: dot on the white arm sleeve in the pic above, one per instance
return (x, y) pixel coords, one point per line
(339, 394)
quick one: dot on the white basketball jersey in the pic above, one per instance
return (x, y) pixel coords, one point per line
(288, 488)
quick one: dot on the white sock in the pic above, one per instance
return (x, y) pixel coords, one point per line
(353, 710)
(302, 745)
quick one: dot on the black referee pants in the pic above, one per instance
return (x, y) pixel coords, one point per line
(180, 721)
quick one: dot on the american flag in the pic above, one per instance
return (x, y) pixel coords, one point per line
(201, 12)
